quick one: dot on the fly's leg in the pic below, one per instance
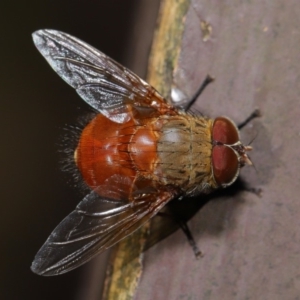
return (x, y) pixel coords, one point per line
(204, 84)
(186, 230)
(255, 114)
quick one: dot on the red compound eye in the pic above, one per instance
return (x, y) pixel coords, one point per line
(225, 164)
(224, 159)
(224, 131)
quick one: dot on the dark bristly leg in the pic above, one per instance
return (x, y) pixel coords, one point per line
(184, 227)
(207, 81)
(256, 113)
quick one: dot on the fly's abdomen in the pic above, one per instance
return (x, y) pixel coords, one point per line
(110, 156)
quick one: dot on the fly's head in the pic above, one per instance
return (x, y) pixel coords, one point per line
(228, 153)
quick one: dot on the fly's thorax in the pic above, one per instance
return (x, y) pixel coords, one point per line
(184, 150)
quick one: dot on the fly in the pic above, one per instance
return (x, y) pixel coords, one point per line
(138, 153)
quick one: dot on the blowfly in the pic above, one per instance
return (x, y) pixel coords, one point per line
(137, 153)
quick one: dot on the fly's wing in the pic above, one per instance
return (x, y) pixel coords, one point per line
(95, 225)
(104, 84)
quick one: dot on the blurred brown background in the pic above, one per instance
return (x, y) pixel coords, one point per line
(35, 107)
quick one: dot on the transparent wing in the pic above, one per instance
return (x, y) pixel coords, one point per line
(95, 225)
(104, 84)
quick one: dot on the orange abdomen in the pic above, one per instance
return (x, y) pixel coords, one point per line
(110, 155)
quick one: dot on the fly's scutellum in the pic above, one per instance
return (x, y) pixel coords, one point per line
(138, 153)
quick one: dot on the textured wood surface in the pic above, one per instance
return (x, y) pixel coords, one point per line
(250, 244)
